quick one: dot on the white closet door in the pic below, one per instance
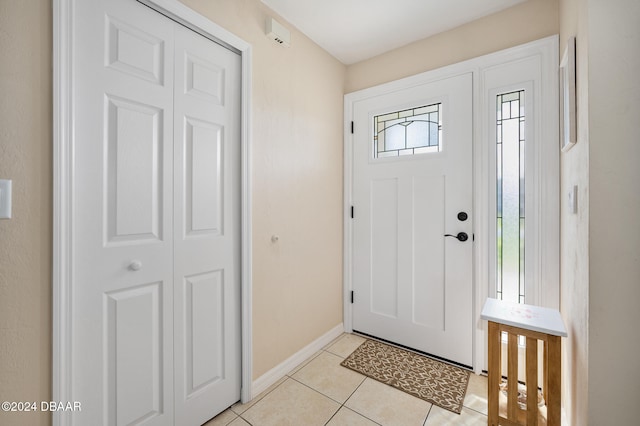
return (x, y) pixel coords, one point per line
(122, 291)
(207, 227)
(155, 268)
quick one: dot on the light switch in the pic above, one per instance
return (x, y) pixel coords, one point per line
(5, 198)
(573, 200)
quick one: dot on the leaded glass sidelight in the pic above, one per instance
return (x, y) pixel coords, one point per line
(408, 132)
(510, 196)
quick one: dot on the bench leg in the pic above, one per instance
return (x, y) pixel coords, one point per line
(495, 373)
(554, 381)
(532, 381)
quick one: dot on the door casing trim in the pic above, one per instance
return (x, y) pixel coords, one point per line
(545, 48)
(63, 161)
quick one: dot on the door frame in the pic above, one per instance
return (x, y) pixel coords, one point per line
(63, 160)
(547, 289)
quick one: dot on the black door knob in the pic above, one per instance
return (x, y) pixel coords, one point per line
(462, 236)
(462, 216)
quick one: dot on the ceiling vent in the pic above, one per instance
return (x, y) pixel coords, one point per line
(277, 32)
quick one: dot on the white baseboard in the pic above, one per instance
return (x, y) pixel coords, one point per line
(263, 382)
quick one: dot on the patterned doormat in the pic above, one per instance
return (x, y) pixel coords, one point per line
(436, 382)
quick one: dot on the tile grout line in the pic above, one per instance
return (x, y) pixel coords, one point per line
(349, 397)
(342, 404)
(473, 409)
(428, 412)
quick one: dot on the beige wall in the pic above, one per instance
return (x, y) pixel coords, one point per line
(574, 241)
(601, 244)
(25, 240)
(528, 21)
(614, 210)
(297, 183)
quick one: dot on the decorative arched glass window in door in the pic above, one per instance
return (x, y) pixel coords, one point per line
(408, 132)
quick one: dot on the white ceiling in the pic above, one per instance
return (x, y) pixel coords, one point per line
(354, 30)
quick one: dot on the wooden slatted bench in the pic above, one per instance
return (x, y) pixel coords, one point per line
(534, 323)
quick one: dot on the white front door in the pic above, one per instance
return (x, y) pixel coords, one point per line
(412, 185)
(155, 285)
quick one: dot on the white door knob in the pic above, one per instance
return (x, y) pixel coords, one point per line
(135, 265)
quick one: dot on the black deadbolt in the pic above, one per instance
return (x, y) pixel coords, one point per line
(462, 216)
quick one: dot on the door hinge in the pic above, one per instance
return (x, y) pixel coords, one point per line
(473, 237)
(352, 127)
(351, 212)
(351, 296)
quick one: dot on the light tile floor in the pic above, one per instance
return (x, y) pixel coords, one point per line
(322, 392)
